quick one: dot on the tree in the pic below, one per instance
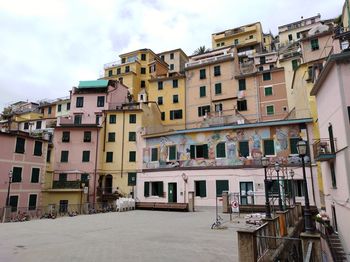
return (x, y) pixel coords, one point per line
(201, 50)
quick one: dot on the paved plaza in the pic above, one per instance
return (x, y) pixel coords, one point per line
(127, 236)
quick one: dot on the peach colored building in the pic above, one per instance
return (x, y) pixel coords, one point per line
(332, 149)
(25, 156)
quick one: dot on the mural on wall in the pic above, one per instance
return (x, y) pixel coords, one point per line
(183, 143)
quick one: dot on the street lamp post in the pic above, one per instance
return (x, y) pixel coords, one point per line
(291, 173)
(277, 169)
(302, 146)
(265, 163)
(8, 189)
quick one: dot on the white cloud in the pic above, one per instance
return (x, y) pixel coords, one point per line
(46, 47)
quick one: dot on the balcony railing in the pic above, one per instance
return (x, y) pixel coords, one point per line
(324, 149)
(120, 62)
(209, 60)
(66, 184)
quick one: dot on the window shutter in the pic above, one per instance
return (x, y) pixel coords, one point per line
(221, 185)
(205, 151)
(192, 151)
(146, 189)
(220, 150)
(202, 189)
(160, 189)
(172, 153)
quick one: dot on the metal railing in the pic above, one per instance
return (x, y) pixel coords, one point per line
(209, 60)
(324, 146)
(66, 184)
(261, 241)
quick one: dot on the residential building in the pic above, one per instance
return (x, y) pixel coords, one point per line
(176, 59)
(332, 147)
(24, 156)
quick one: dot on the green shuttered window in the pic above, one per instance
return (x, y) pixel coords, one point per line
(244, 148)
(269, 147)
(201, 188)
(172, 152)
(146, 189)
(221, 150)
(221, 185)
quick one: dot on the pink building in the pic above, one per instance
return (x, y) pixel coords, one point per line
(25, 157)
(76, 138)
(333, 105)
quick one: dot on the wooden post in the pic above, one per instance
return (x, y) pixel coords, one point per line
(271, 229)
(247, 249)
(306, 238)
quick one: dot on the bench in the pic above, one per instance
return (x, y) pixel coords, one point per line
(162, 206)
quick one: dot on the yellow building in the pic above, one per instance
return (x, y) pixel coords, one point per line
(135, 69)
(176, 59)
(120, 156)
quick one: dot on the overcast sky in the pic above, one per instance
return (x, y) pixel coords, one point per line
(47, 46)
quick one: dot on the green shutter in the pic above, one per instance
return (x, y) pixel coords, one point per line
(202, 189)
(16, 174)
(218, 88)
(244, 148)
(132, 179)
(32, 202)
(268, 91)
(220, 150)
(293, 145)
(35, 175)
(192, 151)
(38, 148)
(160, 189)
(146, 189)
(269, 147)
(242, 85)
(202, 91)
(205, 151)
(172, 152)
(20, 143)
(221, 185)
(154, 154)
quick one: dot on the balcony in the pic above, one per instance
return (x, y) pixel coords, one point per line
(209, 60)
(247, 67)
(76, 184)
(324, 149)
(120, 62)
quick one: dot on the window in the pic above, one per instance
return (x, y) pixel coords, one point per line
(261, 68)
(171, 55)
(160, 85)
(333, 177)
(242, 105)
(59, 108)
(26, 126)
(175, 99)
(127, 69)
(202, 74)
(68, 106)
(175, 83)
(157, 189)
(172, 154)
(35, 175)
(154, 154)
(49, 110)
(202, 91)
(236, 41)
(221, 150)
(251, 37)
(218, 107)
(97, 121)
(63, 206)
(32, 202)
(119, 71)
(132, 119)
(298, 35)
(143, 70)
(80, 101)
(109, 157)
(171, 67)
(270, 110)
(314, 44)
(217, 71)
(87, 136)
(146, 189)
(111, 136)
(267, 76)
(84, 178)
(112, 119)
(16, 174)
(269, 147)
(38, 148)
(162, 116)
(143, 57)
(38, 124)
(160, 100)
(218, 89)
(243, 148)
(262, 60)
(62, 177)
(299, 188)
(48, 156)
(203, 110)
(143, 84)
(295, 64)
(293, 145)
(221, 185)
(132, 156)
(86, 156)
(77, 119)
(65, 136)
(162, 57)
(246, 188)
(268, 91)
(290, 37)
(241, 84)
(13, 203)
(64, 156)
(100, 101)
(132, 136)
(131, 179)
(199, 151)
(271, 67)
(20, 144)
(110, 72)
(200, 188)
(175, 114)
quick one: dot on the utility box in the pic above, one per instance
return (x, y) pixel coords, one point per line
(191, 201)
(225, 202)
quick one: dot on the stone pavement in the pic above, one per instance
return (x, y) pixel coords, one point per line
(127, 236)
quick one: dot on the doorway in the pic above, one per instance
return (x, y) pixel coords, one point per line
(334, 219)
(172, 192)
(108, 184)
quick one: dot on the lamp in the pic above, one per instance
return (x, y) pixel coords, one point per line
(277, 169)
(301, 147)
(8, 189)
(265, 163)
(291, 173)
